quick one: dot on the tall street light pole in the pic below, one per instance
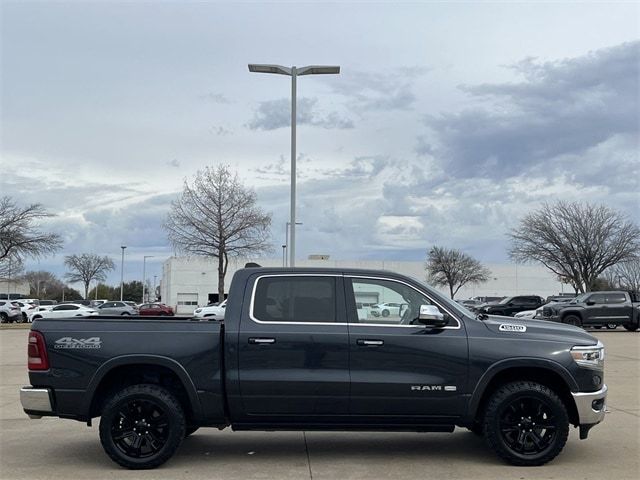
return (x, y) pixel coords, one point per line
(293, 72)
(286, 236)
(122, 272)
(144, 273)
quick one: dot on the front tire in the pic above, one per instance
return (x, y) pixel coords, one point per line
(572, 320)
(142, 426)
(385, 313)
(611, 326)
(526, 423)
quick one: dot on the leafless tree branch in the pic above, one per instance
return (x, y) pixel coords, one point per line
(576, 241)
(216, 216)
(454, 269)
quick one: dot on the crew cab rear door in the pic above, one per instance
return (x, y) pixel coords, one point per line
(293, 347)
(399, 367)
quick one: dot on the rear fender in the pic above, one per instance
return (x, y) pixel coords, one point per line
(155, 360)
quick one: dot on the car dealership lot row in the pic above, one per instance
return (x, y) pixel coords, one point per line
(51, 448)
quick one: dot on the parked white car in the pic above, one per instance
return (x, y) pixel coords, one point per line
(9, 311)
(525, 314)
(26, 308)
(211, 311)
(385, 309)
(65, 310)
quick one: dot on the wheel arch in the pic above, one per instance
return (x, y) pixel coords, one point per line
(127, 370)
(545, 372)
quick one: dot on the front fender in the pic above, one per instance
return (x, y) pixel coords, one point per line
(515, 363)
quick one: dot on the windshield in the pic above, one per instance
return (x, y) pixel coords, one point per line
(504, 301)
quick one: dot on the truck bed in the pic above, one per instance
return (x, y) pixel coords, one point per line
(86, 354)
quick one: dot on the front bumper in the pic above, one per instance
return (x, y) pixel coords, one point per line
(36, 402)
(591, 408)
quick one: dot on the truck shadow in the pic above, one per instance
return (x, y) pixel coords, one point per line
(285, 446)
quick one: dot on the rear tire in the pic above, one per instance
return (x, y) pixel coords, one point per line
(526, 423)
(631, 327)
(3, 317)
(572, 320)
(142, 426)
(190, 430)
(25, 319)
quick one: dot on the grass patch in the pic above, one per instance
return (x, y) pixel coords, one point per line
(15, 326)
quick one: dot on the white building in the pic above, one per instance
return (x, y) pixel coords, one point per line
(13, 288)
(191, 282)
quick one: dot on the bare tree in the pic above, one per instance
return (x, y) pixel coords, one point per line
(454, 269)
(19, 233)
(576, 241)
(216, 216)
(11, 267)
(41, 282)
(624, 275)
(87, 267)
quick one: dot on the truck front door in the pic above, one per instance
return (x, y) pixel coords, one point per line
(293, 347)
(399, 367)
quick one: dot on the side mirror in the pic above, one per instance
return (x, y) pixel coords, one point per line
(431, 316)
(591, 302)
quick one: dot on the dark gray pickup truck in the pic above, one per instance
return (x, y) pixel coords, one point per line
(597, 309)
(298, 350)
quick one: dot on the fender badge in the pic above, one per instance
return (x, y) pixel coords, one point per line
(510, 327)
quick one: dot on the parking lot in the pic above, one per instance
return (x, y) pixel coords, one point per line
(52, 448)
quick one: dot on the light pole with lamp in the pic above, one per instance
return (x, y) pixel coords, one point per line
(293, 72)
(144, 272)
(122, 272)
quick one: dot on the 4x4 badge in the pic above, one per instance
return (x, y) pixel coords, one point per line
(68, 342)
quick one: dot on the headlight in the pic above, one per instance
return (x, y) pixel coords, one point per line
(590, 357)
(198, 310)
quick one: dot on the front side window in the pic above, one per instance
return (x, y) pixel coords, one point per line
(598, 298)
(295, 299)
(397, 303)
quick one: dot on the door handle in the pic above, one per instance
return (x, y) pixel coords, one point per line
(262, 341)
(369, 343)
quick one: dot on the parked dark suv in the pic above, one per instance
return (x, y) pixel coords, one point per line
(509, 306)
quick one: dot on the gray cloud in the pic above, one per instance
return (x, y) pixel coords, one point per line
(561, 108)
(215, 98)
(274, 114)
(174, 163)
(379, 91)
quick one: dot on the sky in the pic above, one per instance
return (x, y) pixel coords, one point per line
(448, 122)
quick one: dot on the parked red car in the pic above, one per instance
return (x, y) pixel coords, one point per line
(155, 309)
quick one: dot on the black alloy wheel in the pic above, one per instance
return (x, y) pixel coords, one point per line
(526, 423)
(142, 426)
(611, 326)
(385, 313)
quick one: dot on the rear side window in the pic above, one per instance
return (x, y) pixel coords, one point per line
(616, 298)
(295, 299)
